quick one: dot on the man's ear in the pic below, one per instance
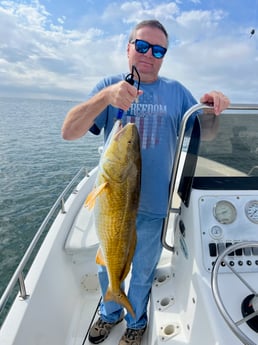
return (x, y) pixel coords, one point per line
(128, 48)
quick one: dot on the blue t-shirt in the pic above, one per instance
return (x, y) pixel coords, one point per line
(157, 114)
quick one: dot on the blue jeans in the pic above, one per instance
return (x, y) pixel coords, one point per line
(146, 257)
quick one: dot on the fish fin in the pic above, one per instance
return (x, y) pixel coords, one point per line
(100, 258)
(91, 198)
(120, 298)
(130, 256)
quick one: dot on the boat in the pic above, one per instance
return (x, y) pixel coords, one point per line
(205, 289)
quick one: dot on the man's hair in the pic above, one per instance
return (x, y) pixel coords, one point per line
(153, 23)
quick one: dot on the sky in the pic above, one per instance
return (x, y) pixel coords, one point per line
(59, 49)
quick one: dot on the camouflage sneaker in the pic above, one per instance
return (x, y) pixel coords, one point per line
(100, 330)
(132, 336)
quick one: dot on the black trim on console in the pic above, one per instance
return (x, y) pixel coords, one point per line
(225, 183)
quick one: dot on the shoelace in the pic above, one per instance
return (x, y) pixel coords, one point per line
(102, 323)
(132, 334)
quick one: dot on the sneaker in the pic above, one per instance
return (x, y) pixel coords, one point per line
(100, 330)
(132, 336)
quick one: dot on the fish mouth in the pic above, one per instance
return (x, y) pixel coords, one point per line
(119, 131)
(122, 129)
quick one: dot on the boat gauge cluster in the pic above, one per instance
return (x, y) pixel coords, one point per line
(225, 221)
(225, 212)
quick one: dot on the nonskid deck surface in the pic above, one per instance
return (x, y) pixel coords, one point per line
(84, 319)
(87, 313)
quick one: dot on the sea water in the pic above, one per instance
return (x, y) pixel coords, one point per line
(36, 165)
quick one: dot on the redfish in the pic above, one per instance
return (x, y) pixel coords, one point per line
(116, 199)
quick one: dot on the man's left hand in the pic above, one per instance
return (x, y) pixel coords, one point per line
(219, 101)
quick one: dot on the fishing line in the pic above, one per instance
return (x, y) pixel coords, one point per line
(92, 320)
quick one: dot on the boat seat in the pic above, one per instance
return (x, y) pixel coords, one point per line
(82, 236)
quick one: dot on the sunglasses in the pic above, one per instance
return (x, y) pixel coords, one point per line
(142, 47)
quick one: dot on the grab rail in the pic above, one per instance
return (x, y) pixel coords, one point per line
(178, 151)
(18, 274)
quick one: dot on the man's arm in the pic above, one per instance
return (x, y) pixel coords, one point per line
(81, 117)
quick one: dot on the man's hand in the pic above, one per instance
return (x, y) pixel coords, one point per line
(219, 101)
(122, 95)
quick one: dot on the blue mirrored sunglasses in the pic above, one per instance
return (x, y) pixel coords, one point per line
(142, 47)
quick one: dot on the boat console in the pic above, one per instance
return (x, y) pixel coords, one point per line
(228, 201)
(215, 237)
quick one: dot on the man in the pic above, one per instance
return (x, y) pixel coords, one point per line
(160, 106)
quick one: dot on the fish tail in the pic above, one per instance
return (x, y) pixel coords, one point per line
(120, 298)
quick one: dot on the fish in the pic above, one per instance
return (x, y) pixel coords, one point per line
(115, 201)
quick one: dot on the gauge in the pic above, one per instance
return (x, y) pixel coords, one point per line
(251, 211)
(216, 232)
(225, 212)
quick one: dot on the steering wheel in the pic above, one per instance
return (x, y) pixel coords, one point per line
(234, 325)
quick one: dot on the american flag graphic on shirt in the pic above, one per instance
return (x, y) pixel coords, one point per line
(149, 119)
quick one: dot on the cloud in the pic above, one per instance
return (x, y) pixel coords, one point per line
(38, 54)
(136, 11)
(220, 64)
(46, 56)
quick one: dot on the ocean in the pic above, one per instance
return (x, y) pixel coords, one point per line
(36, 165)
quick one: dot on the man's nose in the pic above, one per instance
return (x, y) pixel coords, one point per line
(149, 52)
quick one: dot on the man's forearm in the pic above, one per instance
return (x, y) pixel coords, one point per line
(81, 117)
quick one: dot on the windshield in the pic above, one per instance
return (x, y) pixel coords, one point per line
(221, 153)
(230, 144)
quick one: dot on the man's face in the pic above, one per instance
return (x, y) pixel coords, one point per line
(147, 65)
